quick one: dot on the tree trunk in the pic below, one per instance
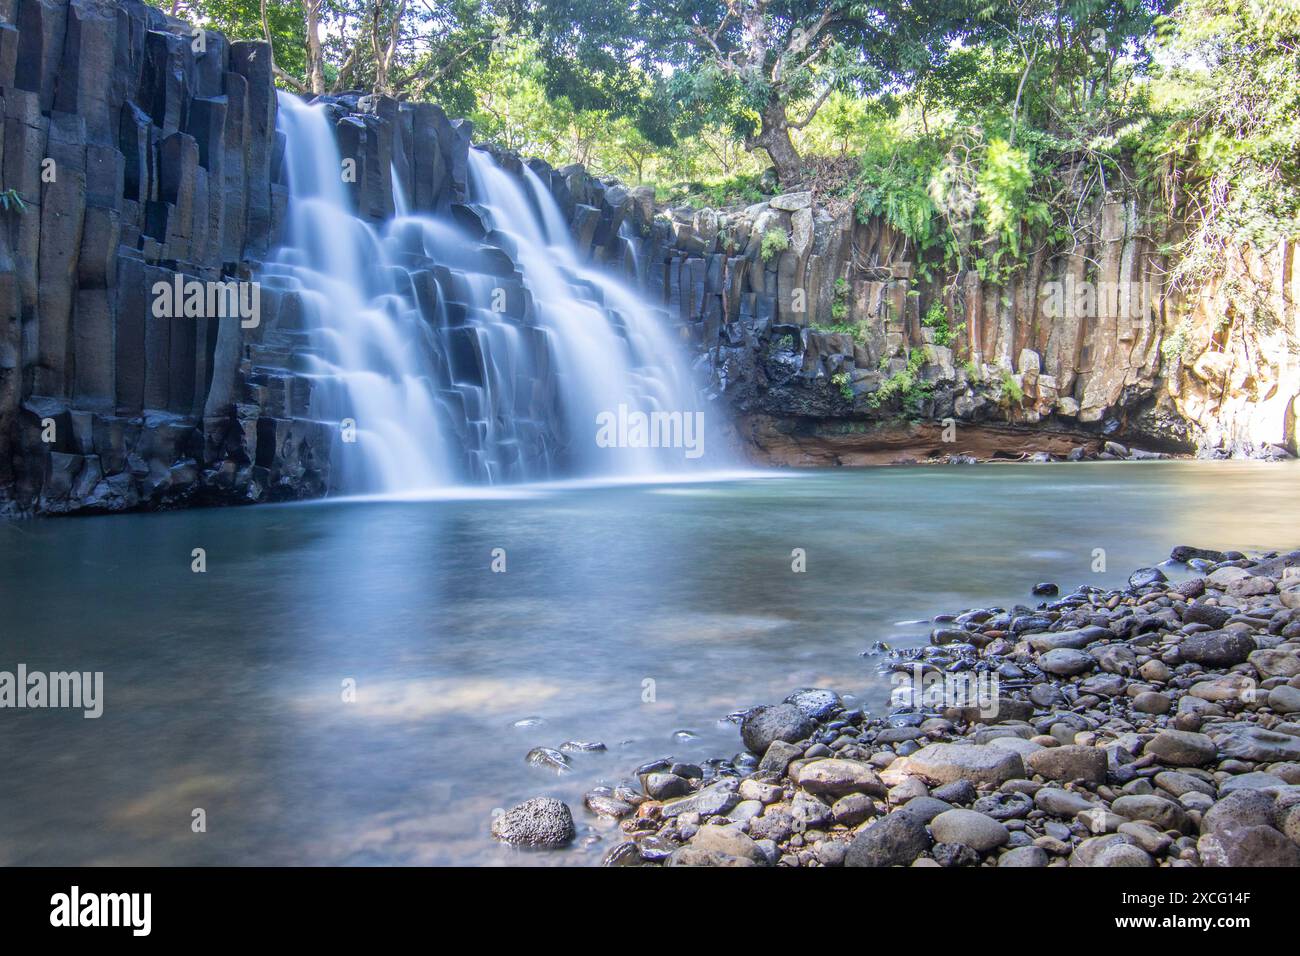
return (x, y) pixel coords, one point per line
(315, 58)
(774, 139)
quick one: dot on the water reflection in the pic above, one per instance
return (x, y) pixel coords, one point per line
(225, 691)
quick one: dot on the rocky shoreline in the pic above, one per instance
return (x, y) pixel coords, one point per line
(1152, 725)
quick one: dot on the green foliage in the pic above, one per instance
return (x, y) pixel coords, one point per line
(742, 189)
(904, 385)
(10, 201)
(1180, 344)
(1012, 393)
(840, 304)
(775, 241)
(841, 381)
(1229, 156)
(936, 317)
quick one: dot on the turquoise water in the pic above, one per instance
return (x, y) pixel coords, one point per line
(224, 690)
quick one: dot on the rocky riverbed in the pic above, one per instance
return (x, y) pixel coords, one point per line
(1155, 725)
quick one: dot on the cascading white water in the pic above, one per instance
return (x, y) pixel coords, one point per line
(371, 351)
(611, 350)
(408, 338)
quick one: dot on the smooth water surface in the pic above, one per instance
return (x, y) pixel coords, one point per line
(224, 690)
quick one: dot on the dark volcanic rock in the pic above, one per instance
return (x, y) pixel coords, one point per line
(1144, 577)
(541, 822)
(895, 840)
(786, 722)
(1217, 648)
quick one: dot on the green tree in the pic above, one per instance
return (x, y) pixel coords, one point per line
(762, 67)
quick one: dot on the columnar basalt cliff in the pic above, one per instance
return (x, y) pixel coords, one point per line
(144, 154)
(143, 151)
(824, 341)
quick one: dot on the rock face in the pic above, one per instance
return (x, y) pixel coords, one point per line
(1073, 351)
(147, 156)
(140, 158)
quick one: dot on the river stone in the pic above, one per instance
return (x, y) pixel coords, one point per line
(757, 790)
(1145, 577)
(1227, 687)
(1176, 783)
(1006, 709)
(1276, 662)
(815, 702)
(1066, 662)
(924, 809)
(1074, 640)
(698, 856)
(853, 809)
(1252, 586)
(778, 757)
(1185, 552)
(549, 758)
(1004, 806)
(951, 854)
(1123, 854)
(1069, 763)
(1257, 744)
(1181, 748)
(809, 812)
(980, 764)
(1247, 846)
(1104, 685)
(712, 800)
(969, 828)
(836, 778)
(541, 822)
(763, 725)
(1223, 577)
(893, 840)
(1062, 803)
(1210, 614)
(775, 824)
(605, 805)
(1146, 836)
(1217, 648)
(959, 791)
(1284, 699)
(1243, 808)
(1165, 814)
(1152, 702)
(1087, 851)
(1259, 780)
(727, 840)
(1024, 856)
(665, 786)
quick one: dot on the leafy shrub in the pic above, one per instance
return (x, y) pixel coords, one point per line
(775, 241)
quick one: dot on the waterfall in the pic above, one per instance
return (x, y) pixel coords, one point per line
(369, 353)
(473, 347)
